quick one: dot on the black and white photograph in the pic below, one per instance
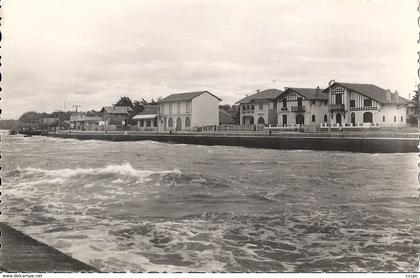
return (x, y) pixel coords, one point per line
(210, 136)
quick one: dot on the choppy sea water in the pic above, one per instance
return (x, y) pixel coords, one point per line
(148, 206)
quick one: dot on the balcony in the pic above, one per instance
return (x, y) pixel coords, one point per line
(248, 111)
(336, 107)
(298, 109)
(284, 109)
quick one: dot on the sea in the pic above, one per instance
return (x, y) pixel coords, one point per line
(147, 206)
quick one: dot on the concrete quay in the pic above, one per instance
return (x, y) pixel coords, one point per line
(21, 253)
(351, 142)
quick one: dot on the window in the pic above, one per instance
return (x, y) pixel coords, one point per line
(170, 108)
(339, 99)
(178, 108)
(252, 107)
(367, 102)
(187, 122)
(148, 123)
(141, 123)
(299, 100)
(247, 107)
(367, 117)
(395, 118)
(313, 118)
(188, 107)
(325, 118)
(383, 118)
(170, 122)
(260, 106)
(352, 103)
(284, 102)
(402, 118)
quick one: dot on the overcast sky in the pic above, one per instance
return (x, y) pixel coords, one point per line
(91, 52)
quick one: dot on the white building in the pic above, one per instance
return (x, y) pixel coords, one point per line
(188, 110)
(358, 104)
(302, 106)
(147, 120)
(260, 108)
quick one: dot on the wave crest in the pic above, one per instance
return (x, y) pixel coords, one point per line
(124, 169)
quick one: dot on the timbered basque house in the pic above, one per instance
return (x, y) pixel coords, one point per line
(356, 104)
(302, 106)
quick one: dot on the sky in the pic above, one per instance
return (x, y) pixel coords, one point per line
(56, 54)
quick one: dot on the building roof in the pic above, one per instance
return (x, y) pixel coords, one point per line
(310, 93)
(263, 95)
(117, 109)
(372, 91)
(149, 112)
(185, 96)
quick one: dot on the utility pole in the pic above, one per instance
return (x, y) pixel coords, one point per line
(329, 101)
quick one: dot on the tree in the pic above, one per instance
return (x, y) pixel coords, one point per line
(138, 107)
(124, 101)
(30, 117)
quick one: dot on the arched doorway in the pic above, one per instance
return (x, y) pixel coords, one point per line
(300, 119)
(313, 118)
(338, 118)
(261, 120)
(187, 122)
(178, 123)
(353, 119)
(325, 118)
(170, 123)
(251, 121)
(367, 117)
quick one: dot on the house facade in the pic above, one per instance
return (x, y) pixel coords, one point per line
(147, 120)
(117, 115)
(186, 111)
(302, 106)
(81, 121)
(365, 104)
(259, 108)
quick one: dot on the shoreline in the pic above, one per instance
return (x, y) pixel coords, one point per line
(365, 143)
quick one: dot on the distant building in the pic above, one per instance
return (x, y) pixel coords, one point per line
(260, 108)
(117, 115)
(356, 104)
(147, 120)
(303, 106)
(81, 121)
(49, 120)
(187, 110)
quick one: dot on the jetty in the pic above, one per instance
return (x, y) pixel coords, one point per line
(21, 253)
(352, 142)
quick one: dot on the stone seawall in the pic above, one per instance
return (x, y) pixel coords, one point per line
(351, 143)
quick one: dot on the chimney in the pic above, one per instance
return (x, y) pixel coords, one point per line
(396, 95)
(388, 95)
